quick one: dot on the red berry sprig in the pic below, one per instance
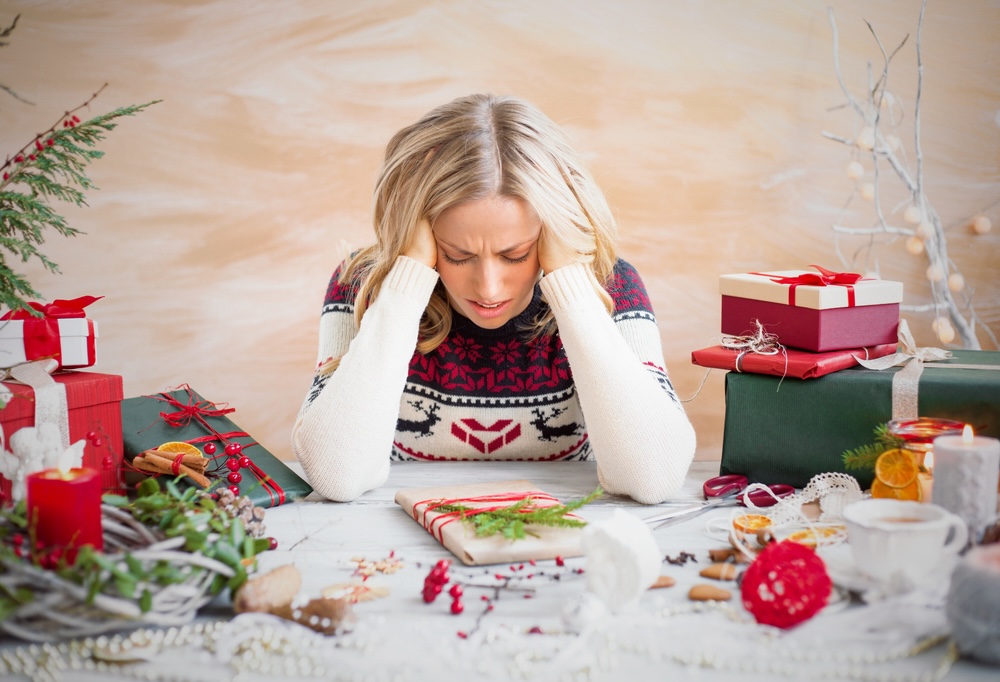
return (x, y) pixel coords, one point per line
(436, 580)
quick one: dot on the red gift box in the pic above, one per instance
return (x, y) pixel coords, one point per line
(818, 312)
(94, 402)
(793, 363)
(63, 332)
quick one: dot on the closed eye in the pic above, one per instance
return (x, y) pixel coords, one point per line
(454, 261)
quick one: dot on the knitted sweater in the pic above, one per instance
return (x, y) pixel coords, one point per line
(494, 394)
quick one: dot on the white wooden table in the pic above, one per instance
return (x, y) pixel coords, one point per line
(523, 636)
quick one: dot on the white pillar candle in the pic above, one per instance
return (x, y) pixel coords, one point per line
(966, 469)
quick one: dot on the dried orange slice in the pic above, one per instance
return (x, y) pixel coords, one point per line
(810, 537)
(910, 492)
(179, 448)
(750, 523)
(896, 468)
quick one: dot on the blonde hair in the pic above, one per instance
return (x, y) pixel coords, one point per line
(472, 148)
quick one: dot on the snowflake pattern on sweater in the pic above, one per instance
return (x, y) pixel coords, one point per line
(498, 394)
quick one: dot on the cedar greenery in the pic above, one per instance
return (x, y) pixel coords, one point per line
(208, 529)
(50, 167)
(512, 522)
(863, 458)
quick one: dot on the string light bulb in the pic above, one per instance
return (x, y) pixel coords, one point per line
(915, 246)
(912, 215)
(868, 191)
(855, 171)
(925, 230)
(981, 225)
(866, 139)
(935, 273)
(956, 282)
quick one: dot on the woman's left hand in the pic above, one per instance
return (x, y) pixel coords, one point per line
(553, 254)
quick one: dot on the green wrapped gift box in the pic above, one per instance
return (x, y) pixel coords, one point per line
(183, 415)
(787, 431)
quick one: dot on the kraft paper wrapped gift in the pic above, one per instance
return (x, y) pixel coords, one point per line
(63, 333)
(460, 537)
(93, 405)
(818, 312)
(787, 431)
(183, 415)
(790, 363)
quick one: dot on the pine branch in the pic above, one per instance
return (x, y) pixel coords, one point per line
(512, 522)
(863, 458)
(51, 167)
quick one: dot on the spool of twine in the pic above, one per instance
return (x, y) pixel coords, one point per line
(973, 604)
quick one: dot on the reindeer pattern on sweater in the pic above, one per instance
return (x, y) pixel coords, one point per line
(500, 394)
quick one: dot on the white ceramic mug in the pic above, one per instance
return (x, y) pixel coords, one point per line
(897, 540)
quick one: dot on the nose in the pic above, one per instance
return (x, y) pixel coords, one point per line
(489, 281)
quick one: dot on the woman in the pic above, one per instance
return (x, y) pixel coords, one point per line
(491, 320)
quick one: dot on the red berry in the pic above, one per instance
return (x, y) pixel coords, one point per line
(38, 145)
(17, 540)
(244, 462)
(209, 448)
(6, 176)
(108, 462)
(428, 596)
(272, 543)
(234, 477)
(535, 630)
(50, 142)
(91, 435)
(32, 157)
(457, 607)
(436, 588)
(76, 119)
(233, 464)
(462, 635)
(18, 158)
(455, 591)
(97, 442)
(443, 563)
(559, 561)
(235, 490)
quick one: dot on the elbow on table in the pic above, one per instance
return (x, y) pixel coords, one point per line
(333, 477)
(660, 474)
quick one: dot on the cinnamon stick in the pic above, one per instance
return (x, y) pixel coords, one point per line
(161, 465)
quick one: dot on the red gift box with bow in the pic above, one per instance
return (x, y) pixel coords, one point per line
(814, 311)
(63, 332)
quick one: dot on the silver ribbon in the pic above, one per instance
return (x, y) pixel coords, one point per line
(50, 396)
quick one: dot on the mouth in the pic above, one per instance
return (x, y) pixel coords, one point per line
(489, 310)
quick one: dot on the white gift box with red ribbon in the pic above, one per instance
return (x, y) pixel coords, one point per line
(814, 311)
(63, 333)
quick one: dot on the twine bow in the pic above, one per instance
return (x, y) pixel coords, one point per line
(760, 342)
(905, 382)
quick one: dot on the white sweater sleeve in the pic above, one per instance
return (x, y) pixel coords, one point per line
(343, 437)
(641, 437)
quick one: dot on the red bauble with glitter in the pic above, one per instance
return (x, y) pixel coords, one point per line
(786, 584)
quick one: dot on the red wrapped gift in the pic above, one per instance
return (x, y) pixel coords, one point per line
(792, 363)
(63, 333)
(815, 311)
(94, 406)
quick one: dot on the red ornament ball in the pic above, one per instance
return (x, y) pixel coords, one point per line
(233, 464)
(786, 584)
(235, 477)
(209, 448)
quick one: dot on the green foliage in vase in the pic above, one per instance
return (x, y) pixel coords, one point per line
(512, 522)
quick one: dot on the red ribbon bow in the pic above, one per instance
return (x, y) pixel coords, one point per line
(58, 308)
(822, 279)
(197, 410)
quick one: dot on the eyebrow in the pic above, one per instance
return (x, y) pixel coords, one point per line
(463, 252)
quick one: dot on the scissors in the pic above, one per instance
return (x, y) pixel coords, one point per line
(723, 491)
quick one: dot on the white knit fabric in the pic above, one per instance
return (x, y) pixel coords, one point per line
(354, 422)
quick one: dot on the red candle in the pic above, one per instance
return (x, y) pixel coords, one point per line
(65, 509)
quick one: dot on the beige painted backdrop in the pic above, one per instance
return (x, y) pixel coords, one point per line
(223, 210)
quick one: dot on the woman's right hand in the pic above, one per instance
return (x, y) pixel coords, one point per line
(422, 246)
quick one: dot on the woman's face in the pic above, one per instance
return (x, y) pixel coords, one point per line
(487, 258)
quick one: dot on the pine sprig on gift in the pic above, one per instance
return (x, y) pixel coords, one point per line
(512, 521)
(863, 458)
(52, 166)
